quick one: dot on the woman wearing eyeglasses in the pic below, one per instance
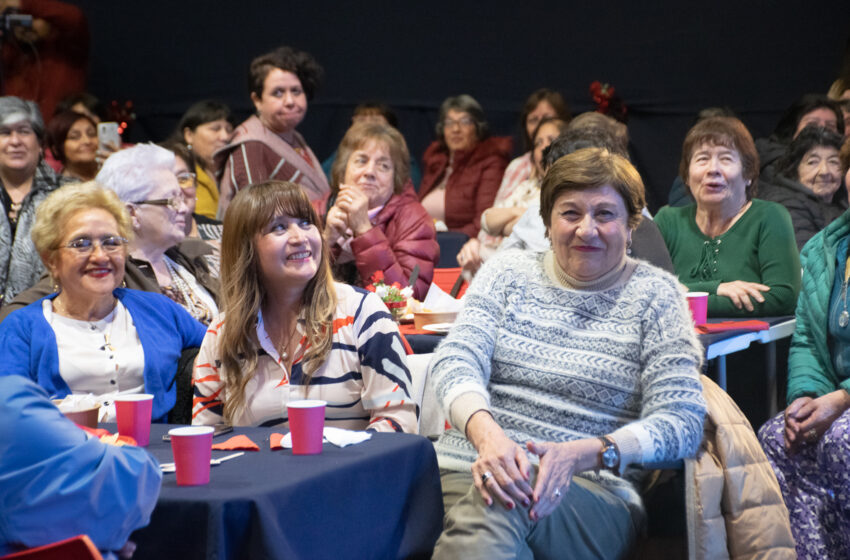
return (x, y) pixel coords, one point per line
(160, 257)
(92, 335)
(463, 167)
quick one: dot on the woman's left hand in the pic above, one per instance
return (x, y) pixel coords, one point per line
(355, 204)
(558, 463)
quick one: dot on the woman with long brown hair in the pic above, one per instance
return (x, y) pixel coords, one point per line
(289, 332)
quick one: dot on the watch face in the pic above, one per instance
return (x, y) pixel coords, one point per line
(610, 456)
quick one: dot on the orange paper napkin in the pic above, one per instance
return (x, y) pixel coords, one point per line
(275, 441)
(237, 443)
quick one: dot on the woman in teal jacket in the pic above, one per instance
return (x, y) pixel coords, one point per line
(808, 444)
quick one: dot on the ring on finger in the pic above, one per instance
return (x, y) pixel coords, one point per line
(486, 476)
(557, 493)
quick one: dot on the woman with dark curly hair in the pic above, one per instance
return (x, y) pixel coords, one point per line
(267, 146)
(808, 182)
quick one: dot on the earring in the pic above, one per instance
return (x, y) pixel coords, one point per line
(189, 147)
(123, 283)
(56, 287)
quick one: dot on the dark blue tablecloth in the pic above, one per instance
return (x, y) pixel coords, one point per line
(377, 499)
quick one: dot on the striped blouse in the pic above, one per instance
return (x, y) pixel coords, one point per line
(364, 379)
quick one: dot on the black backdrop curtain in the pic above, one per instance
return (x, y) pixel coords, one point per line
(667, 58)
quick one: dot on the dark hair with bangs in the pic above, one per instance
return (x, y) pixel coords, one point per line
(722, 131)
(58, 129)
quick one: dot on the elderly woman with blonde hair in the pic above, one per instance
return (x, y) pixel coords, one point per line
(289, 332)
(92, 335)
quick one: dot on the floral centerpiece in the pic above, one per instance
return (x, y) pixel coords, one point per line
(393, 295)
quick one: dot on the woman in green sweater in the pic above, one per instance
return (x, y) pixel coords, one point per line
(739, 250)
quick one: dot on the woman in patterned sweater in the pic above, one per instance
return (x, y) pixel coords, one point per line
(289, 332)
(561, 364)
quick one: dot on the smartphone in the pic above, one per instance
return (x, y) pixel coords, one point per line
(108, 137)
(219, 430)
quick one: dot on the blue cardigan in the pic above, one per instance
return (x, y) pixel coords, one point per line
(28, 345)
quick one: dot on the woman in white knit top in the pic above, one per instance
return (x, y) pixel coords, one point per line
(563, 369)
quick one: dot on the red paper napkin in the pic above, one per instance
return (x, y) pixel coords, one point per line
(106, 437)
(747, 325)
(237, 443)
(275, 441)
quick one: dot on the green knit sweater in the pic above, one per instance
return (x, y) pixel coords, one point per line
(759, 247)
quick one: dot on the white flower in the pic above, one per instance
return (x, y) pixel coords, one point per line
(407, 292)
(382, 291)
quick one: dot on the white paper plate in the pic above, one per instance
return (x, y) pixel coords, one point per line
(440, 328)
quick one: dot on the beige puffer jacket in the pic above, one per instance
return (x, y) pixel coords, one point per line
(734, 505)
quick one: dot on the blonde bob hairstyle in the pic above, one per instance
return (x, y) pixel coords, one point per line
(54, 213)
(591, 168)
(359, 136)
(243, 292)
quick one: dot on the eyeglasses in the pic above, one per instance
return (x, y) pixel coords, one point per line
(174, 203)
(465, 121)
(85, 246)
(186, 180)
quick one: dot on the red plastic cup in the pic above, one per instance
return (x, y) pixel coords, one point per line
(192, 448)
(134, 416)
(698, 302)
(306, 423)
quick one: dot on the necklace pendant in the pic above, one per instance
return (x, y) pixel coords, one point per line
(284, 355)
(844, 319)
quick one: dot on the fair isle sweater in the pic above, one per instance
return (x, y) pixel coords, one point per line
(364, 378)
(553, 363)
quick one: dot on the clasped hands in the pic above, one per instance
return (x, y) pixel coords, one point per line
(349, 212)
(503, 469)
(807, 419)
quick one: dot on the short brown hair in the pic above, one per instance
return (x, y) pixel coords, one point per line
(591, 168)
(61, 205)
(300, 63)
(722, 131)
(359, 135)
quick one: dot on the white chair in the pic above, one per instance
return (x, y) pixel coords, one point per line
(431, 419)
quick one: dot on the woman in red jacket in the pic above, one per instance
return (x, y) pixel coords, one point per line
(463, 167)
(376, 222)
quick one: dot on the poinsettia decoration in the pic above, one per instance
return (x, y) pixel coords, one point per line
(393, 295)
(607, 101)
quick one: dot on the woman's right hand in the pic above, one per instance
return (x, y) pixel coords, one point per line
(505, 460)
(740, 293)
(470, 255)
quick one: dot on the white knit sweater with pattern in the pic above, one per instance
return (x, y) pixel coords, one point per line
(553, 363)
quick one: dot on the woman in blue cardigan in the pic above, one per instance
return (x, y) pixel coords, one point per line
(92, 336)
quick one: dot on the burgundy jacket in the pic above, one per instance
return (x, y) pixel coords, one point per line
(473, 183)
(403, 236)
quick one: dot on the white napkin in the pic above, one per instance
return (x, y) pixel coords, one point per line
(438, 300)
(336, 436)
